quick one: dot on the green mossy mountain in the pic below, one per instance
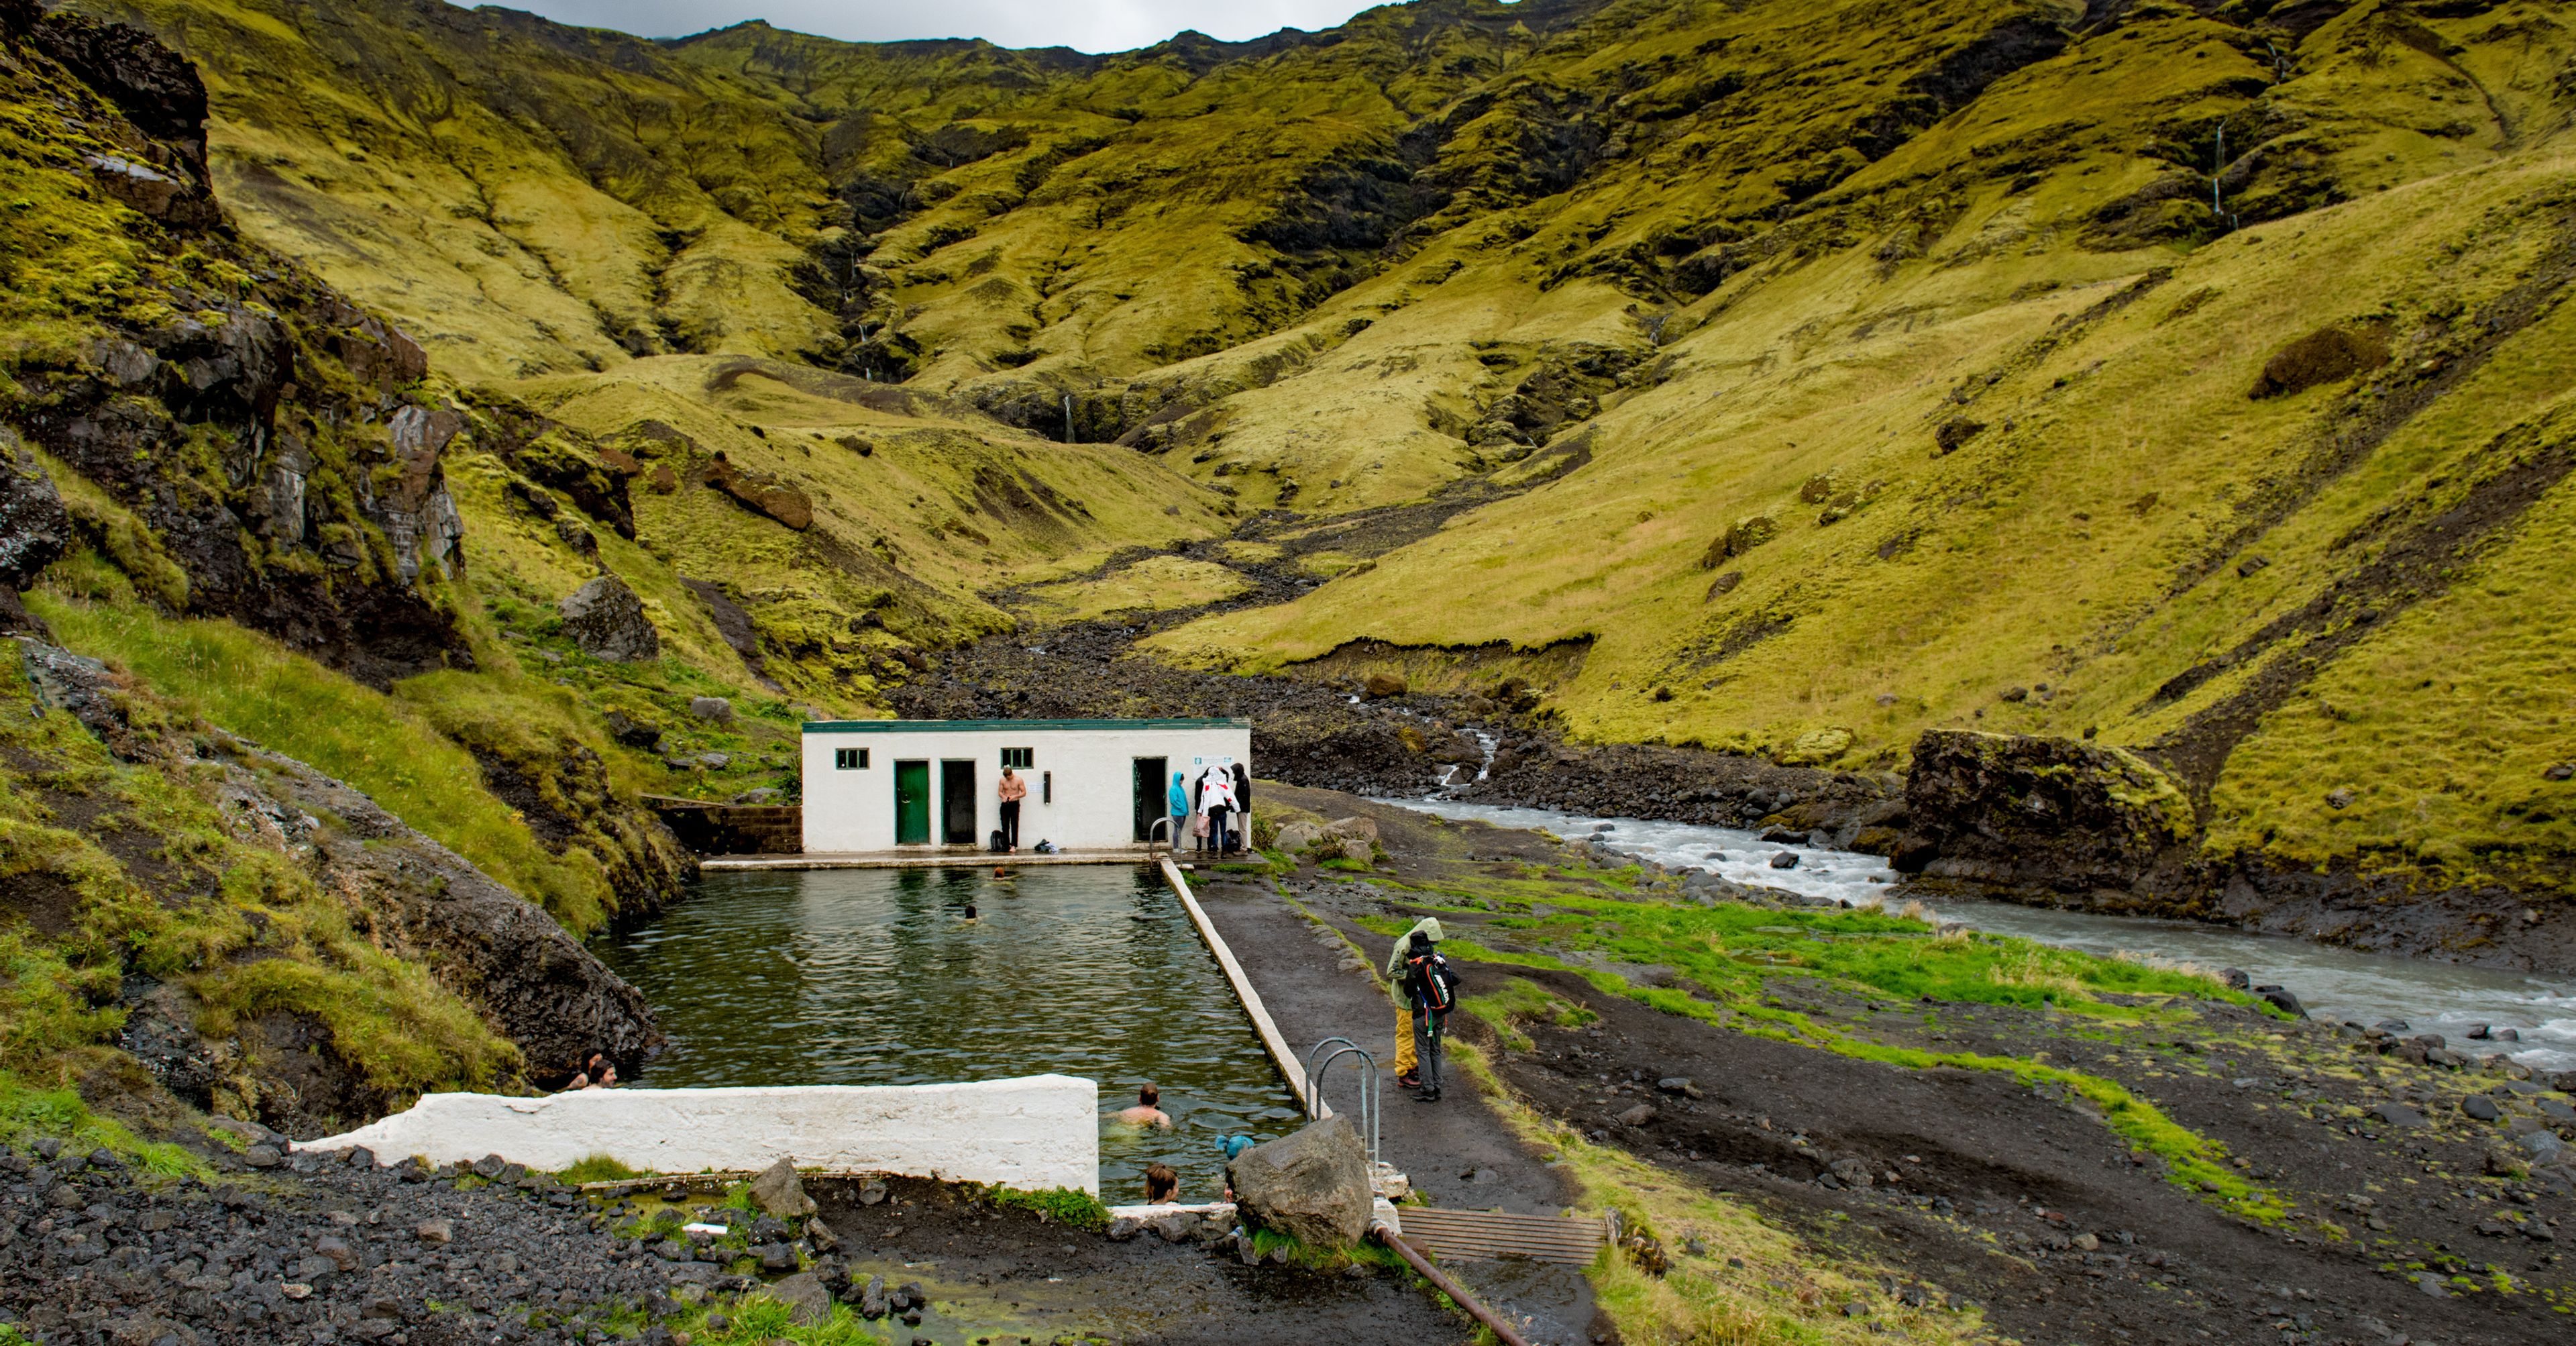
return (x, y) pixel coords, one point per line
(2188, 377)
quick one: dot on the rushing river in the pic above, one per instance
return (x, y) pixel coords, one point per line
(2334, 983)
(875, 976)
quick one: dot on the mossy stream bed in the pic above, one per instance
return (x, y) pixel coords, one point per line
(878, 977)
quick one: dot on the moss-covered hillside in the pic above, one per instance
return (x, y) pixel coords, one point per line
(2187, 376)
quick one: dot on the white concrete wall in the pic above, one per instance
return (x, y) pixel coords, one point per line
(1037, 1132)
(1093, 766)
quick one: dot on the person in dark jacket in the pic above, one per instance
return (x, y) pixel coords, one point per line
(1430, 1025)
(1242, 807)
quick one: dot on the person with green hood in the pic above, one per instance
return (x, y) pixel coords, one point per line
(1407, 1068)
(1176, 803)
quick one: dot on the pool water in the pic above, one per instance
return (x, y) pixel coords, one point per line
(875, 976)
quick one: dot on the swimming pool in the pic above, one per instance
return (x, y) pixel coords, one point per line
(875, 976)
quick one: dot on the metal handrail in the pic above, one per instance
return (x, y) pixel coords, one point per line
(1369, 1098)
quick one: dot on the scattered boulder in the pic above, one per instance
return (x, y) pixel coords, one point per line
(1638, 1115)
(1353, 829)
(1311, 1185)
(436, 1232)
(778, 1192)
(2481, 1108)
(1784, 860)
(632, 732)
(712, 709)
(2281, 999)
(2237, 978)
(2397, 1114)
(808, 1304)
(1383, 685)
(1296, 837)
(763, 494)
(607, 621)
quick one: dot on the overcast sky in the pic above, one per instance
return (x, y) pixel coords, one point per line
(1089, 25)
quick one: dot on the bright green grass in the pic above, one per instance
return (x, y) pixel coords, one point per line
(29, 1114)
(1067, 1206)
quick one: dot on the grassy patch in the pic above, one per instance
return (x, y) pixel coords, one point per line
(1519, 1000)
(599, 1168)
(1726, 956)
(384, 745)
(1067, 1206)
(29, 1114)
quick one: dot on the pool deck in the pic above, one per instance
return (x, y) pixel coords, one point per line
(961, 857)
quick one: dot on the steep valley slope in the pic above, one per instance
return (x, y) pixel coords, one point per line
(2143, 424)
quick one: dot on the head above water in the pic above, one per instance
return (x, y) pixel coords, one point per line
(1161, 1183)
(970, 911)
(1149, 1096)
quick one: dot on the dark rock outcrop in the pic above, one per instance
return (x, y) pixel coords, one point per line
(35, 529)
(2016, 811)
(253, 421)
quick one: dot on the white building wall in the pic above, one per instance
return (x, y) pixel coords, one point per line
(1092, 763)
(1037, 1132)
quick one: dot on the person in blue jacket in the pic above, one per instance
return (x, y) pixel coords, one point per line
(1177, 804)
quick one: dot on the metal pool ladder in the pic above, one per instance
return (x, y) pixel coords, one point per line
(1319, 1060)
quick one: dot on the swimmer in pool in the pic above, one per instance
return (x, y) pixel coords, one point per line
(1147, 1111)
(970, 911)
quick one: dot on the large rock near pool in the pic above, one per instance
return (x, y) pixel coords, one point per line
(607, 621)
(1312, 1186)
(778, 1192)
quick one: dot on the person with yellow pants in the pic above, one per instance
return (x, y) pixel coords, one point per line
(1406, 1067)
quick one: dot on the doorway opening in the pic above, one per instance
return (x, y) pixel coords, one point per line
(1150, 802)
(957, 802)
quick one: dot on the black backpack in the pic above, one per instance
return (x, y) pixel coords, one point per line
(997, 843)
(1432, 982)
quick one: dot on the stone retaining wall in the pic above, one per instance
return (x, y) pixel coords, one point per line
(1037, 1132)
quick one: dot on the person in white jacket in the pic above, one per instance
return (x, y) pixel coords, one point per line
(1216, 800)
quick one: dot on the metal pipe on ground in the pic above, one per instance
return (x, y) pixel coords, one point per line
(1503, 1332)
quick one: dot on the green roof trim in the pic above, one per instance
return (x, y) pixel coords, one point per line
(969, 726)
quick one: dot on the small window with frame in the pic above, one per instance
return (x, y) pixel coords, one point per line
(1019, 759)
(849, 759)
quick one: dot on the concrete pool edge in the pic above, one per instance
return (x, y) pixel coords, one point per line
(1272, 1040)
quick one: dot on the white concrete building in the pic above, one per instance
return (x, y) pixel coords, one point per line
(927, 785)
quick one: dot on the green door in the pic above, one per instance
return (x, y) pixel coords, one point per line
(911, 803)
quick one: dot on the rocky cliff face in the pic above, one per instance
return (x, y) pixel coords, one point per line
(254, 937)
(249, 439)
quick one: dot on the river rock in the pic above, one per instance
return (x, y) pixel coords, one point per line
(1383, 685)
(1311, 1185)
(607, 621)
(1785, 860)
(778, 1192)
(2236, 978)
(2281, 999)
(437, 1233)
